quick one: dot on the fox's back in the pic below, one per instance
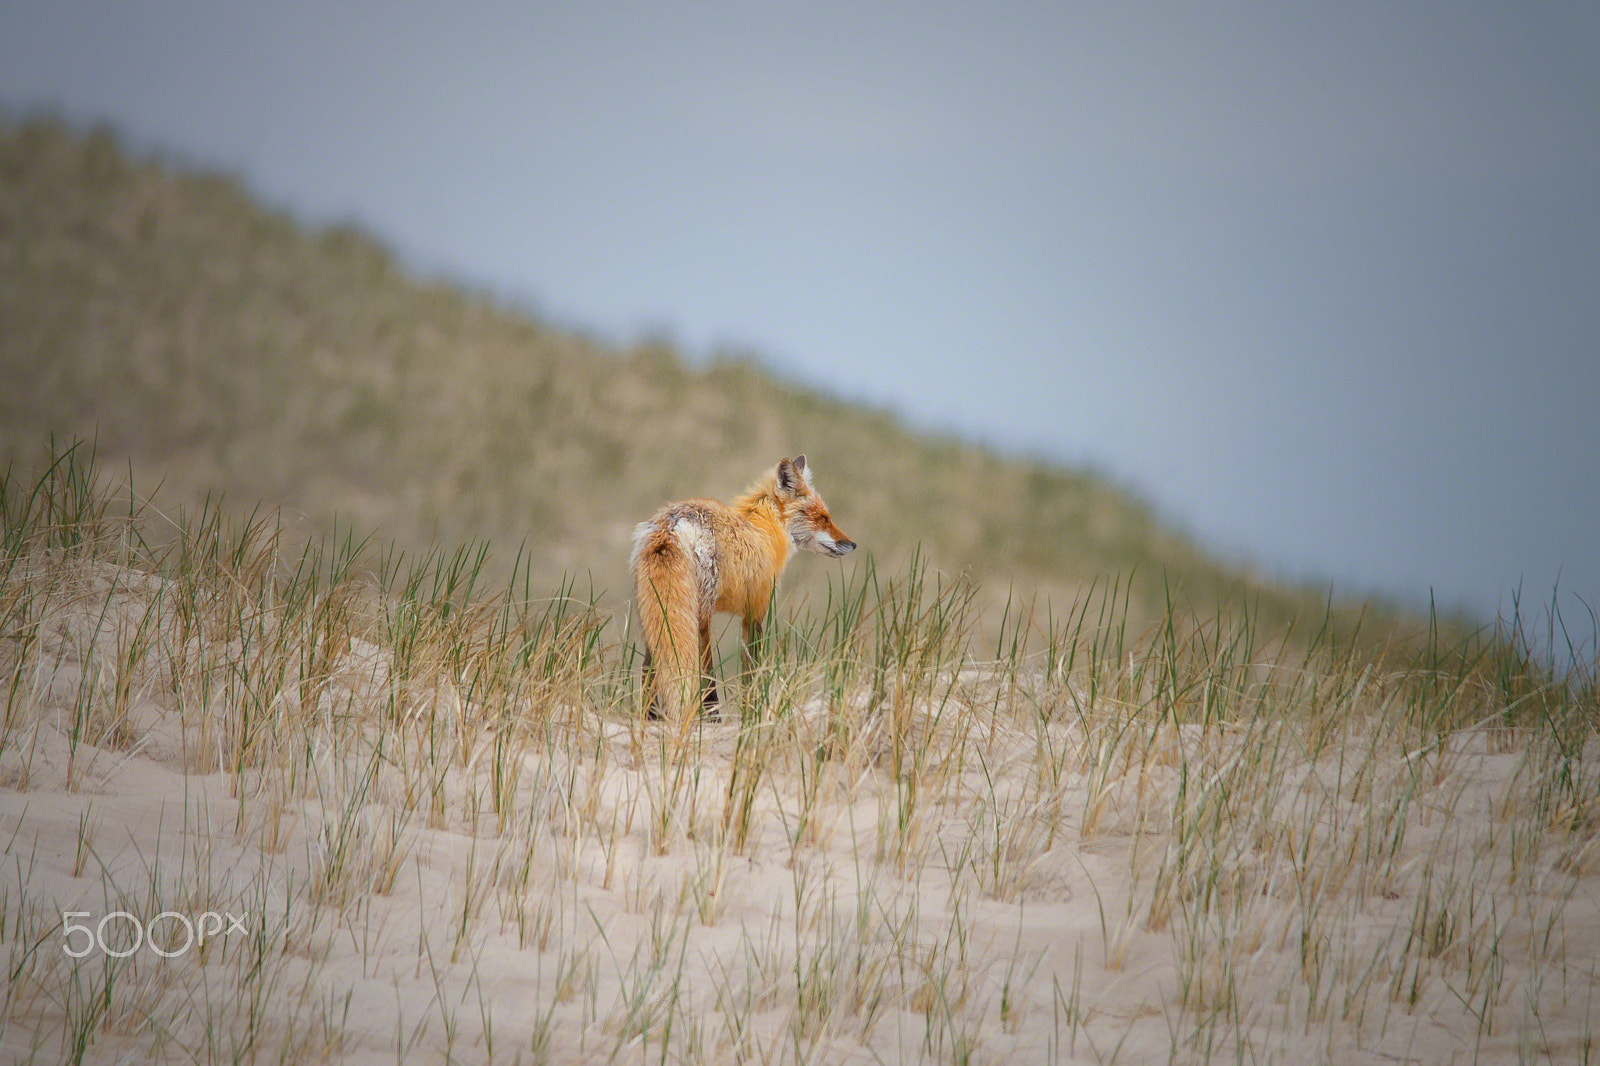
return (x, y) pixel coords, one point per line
(727, 556)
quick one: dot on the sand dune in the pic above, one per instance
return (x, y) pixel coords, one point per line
(348, 826)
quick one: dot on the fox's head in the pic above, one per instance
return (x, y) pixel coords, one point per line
(805, 514)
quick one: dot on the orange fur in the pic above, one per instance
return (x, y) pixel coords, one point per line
(696, 558)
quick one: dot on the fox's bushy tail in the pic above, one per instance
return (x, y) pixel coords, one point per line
(664, 581)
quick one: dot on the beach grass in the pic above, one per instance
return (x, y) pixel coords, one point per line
(328, 801)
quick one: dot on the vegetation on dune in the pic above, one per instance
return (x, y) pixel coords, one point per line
(447, 831)
(219, 349)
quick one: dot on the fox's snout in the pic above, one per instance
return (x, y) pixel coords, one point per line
(813, 530)
(828, 540)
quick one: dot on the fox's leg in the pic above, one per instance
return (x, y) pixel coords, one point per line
(647, 684)
(709, 699)
(751, 651)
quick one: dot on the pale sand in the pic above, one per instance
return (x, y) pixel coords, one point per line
(1375, 905)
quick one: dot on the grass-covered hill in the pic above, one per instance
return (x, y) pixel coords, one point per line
(216, 346)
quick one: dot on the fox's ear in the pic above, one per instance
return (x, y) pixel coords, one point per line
(800, 467)
(791, 475)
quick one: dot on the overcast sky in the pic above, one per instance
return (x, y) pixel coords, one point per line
(1320, 281)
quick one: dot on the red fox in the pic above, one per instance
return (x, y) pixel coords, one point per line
(698, 557)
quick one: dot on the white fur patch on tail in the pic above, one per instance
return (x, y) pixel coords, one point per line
(640, 532)
(701, 546)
